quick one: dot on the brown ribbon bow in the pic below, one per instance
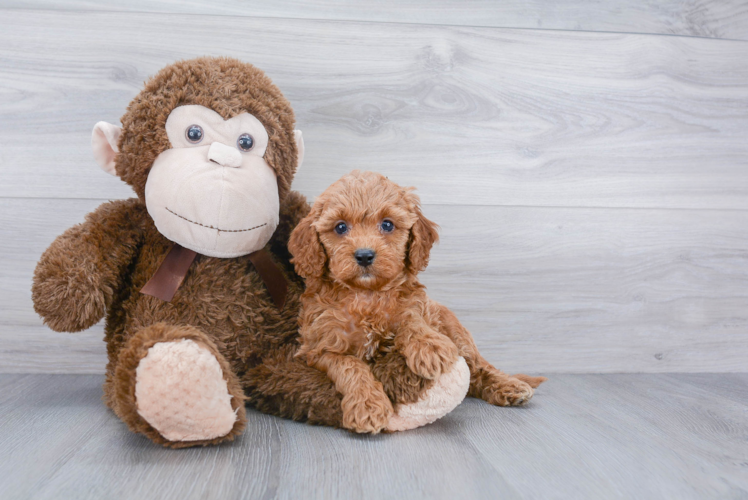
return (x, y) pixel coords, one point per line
(172, 271)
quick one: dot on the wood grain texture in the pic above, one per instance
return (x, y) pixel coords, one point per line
(472, 116)
(702, 18)
(541, 289)
(583, 436)
(592, 187)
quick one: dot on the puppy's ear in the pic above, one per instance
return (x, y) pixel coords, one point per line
(423, 235)
(309, 256)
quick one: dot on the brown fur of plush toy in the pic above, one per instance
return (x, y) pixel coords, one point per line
(98, 268)
(368, 323)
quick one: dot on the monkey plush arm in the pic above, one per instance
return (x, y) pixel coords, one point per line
(292, 209)
(78, 275)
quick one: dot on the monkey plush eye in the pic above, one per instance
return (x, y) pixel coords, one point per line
(341, 228)
(194, 133)
(245, 142)
(387, 226)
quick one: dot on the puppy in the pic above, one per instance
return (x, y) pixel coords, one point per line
(360, 250)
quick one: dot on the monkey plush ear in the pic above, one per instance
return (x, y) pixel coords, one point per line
(299, 147)
(104, 144)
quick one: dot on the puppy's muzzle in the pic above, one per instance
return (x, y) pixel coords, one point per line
(364, 256)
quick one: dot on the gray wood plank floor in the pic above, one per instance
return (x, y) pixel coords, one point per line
(583, 436)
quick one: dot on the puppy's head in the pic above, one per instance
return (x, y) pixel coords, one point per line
(364, 231)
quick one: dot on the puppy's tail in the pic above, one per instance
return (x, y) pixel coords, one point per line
(533, 381)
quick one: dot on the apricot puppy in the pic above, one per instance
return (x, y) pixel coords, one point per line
(360, 250)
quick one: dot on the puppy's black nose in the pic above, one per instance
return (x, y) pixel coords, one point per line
(364, 256)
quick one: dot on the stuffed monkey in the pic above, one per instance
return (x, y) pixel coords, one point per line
(193, 275)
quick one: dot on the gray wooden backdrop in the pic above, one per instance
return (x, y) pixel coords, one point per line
(587, 161)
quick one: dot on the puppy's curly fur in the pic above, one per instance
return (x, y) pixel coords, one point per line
(353, 313)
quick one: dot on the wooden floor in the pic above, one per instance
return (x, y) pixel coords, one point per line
(676, 436)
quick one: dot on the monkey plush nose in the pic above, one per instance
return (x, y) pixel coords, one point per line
(364, 256)
(224, 155)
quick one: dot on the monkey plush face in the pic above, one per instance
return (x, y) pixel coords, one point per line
(213, 192)
(209, 147)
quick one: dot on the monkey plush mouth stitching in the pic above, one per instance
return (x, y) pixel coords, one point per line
(216, 228)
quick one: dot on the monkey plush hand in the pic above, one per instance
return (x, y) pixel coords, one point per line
(193, 275)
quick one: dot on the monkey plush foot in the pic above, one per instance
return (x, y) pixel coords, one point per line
(181, 392)
(173, 385)
(447, 392)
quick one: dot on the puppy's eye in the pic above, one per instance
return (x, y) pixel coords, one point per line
(341, 228)
(194, 133)
(245, 142)
(387, 226)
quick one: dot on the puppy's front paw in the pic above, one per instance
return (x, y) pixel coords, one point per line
(366, 413)
(431, 356)
(509, 392)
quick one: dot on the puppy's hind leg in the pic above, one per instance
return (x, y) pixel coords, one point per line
(486, 381)
(496, 387)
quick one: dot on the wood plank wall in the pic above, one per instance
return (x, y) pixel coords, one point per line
(589, 172)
